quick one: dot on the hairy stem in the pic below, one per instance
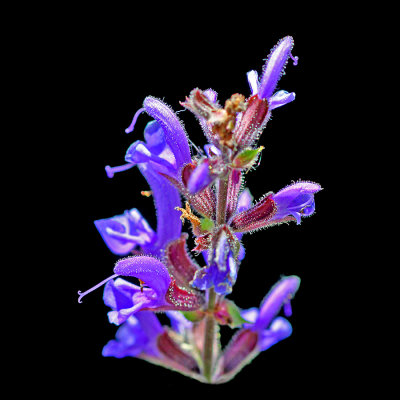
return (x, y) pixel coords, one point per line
(209, 337)
(210, 320)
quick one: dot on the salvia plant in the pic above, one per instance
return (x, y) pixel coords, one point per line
(220, 211)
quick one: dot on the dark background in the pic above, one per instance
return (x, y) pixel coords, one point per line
(101, 68)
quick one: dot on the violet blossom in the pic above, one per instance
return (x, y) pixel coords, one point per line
(159, 273)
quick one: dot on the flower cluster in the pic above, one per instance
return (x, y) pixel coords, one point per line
(191, 286)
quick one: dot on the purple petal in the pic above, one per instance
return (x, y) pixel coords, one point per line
(118, 294)
(139, 153)
(281, 98)
(201, 177)
(148, 269)
(245, 201)
(252, 78)
(175, 134)
(166, 199)
(296, 200)
(274, 67)
(279, 329)
(273, 302)
(136, 336)
(122, 233)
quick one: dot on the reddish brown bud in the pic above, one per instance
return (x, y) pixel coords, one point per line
(252, 122)
(240, 347)
(172, 351)
(256, 217)
(180, 264)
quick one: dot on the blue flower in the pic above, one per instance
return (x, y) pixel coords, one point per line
(137, 336)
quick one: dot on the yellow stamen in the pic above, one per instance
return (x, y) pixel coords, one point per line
(187, 214)
(146, 193)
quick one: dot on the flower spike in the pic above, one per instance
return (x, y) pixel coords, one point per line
(161, 273)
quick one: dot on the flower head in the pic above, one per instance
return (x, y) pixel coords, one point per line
(296, 200)
(159, 294)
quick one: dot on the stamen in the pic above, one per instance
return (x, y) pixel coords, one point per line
(187, 214)
(95, 287)
(112, 170)
(141, 283)
(199, 151)
(135, 117)
(146, 193)
(295, 59)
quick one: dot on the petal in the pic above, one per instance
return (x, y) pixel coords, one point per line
(274, 67)
(166, 199)
(148, 269)
(139, 153)
(245, 201)
(252, 78)
(241, 346)
(251, 315)
(122, 233)
(175, 134)
(281, 98)
(280, 329)
(200, 177)
(118, 294)
(281, 292)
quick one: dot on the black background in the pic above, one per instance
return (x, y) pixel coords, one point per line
(101, 67)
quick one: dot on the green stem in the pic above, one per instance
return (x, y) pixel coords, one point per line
(209, 335)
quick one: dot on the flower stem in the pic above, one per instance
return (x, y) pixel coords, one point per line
(209, 335)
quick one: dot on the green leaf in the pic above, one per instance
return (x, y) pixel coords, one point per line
(193, 316)
(234, 312)
(246, 158)
(206, 224)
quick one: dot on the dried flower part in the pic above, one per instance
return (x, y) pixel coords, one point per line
(172, 351)
(252, 122)
(203, 242)
(194, 220)
(222, 121)
(256, 217)
(179, 263)
(240, 348)
(224, 127)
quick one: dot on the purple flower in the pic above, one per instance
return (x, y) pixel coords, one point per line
(161, 292)
(262, 319)
(221, 276)
(165, 151)
(263, 330)
(221, 272)
(137, 336)
(296, 200)
(123, 233)
(273, 70)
